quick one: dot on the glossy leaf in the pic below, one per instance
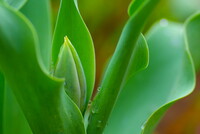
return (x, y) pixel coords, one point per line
(42, 98)
(17, 4)
(148, 94)
(70, 24)
(193, 38)
(38, 12)
(116, 72)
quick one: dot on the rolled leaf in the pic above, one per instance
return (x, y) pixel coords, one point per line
(116, 72)
(71, 24)
(42, 98)
(148, 94)
(69, 67)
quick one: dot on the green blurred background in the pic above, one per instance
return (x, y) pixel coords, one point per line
(105, 20)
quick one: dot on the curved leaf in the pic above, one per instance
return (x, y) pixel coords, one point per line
(43, 100)
(114, 77)
(17, 4)
(139, 59)
(38, 12)
(147, 95)
(71, 24)
(193, 38)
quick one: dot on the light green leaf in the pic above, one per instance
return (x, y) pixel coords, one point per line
(139, 59)
(193, 38)
(42, 98)
(148, 94)
(71, 24)
(115, 74)
(17, 4)
(38, 12)
(70, 68)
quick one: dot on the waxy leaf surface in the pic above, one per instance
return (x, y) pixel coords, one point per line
(115, 75)
(148, 94)
(42, 98)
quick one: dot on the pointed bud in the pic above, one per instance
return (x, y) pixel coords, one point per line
(70, 68)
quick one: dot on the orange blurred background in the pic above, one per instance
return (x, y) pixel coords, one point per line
(105, 20)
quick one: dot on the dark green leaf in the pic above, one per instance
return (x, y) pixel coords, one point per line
(70, 24)
(1, 101)
(148, 94)
(42, 98)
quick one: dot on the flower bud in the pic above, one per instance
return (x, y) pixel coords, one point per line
(70, 68)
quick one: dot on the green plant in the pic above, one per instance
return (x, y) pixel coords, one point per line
(50, 86)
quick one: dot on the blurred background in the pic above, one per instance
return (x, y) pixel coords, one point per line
(105, 20)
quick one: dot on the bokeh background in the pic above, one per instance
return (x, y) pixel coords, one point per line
(105, 20)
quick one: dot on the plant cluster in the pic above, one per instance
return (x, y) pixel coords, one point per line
(46, 82)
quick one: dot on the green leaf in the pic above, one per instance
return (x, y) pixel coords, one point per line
(14, 121)
(139, 59)
(148, 94)
(71, 24)
(193, 38)
(2, 81)
(42, 98)
(70, 68)
(17, 4)
(38, 12)
(114, 77)
(134, 6)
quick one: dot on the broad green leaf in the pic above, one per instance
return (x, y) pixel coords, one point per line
(1, 101)
(148, 94)
(71, 24)
(116, 72)
(38, 12)
(42, 98)
(14, 121)
(193, 38)
(17, 4)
